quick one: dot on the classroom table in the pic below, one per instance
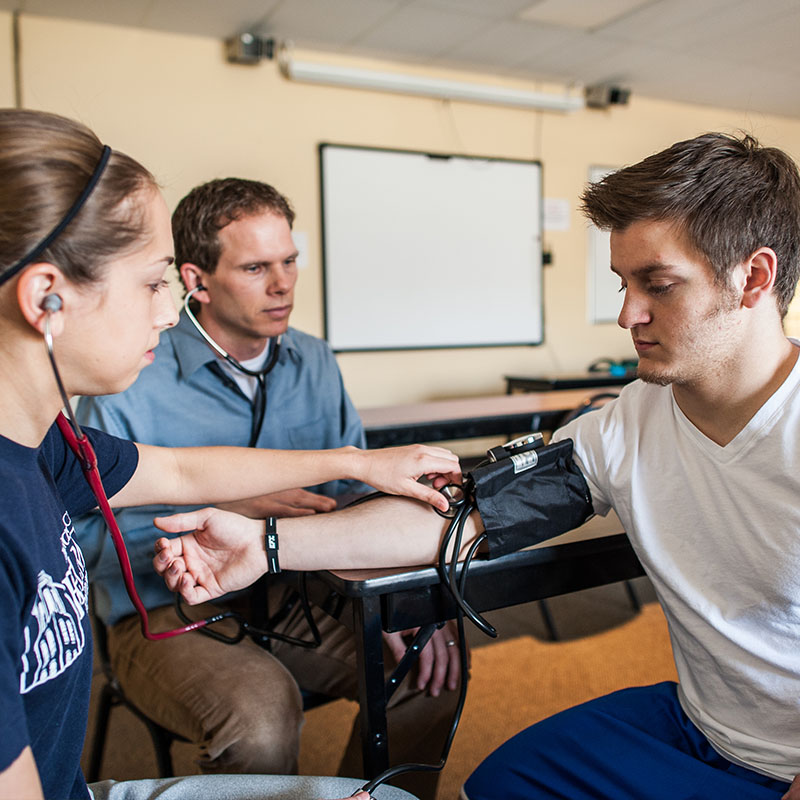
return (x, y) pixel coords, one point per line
(468, 417)
(558, 381)
(371, 601)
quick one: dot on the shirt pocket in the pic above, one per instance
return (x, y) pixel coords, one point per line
(311, 435)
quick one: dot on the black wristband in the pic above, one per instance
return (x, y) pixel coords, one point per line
(271, 543)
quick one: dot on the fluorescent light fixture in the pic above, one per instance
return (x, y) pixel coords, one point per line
(356, 78)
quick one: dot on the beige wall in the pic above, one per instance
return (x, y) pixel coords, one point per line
(6, 60)
(173, 102)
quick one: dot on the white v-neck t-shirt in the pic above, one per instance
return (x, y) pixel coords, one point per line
(718, 532)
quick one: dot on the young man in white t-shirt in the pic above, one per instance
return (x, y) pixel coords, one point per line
(701, 461)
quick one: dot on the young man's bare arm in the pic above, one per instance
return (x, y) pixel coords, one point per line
(225, 552)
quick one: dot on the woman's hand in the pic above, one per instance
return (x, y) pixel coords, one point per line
(397, 470)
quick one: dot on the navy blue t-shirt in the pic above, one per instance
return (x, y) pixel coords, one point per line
(45, 637)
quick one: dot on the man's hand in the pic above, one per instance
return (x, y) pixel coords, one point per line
(396, 470)
(223, 553)
(290, 503)
(439, 662)
(794, 790)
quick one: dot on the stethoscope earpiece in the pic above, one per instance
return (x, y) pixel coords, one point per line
(52, 303)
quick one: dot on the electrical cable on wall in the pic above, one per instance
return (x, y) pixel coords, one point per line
(16, 44)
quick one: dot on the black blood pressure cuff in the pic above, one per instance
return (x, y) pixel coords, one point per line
(524, 499)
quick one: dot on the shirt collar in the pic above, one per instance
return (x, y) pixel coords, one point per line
(192, 351)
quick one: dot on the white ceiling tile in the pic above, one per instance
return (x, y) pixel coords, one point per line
(727, 34)
(640, 67)
(404, 57)
(730, 36)
(650, 23)
(199, 17)
(574, 57)
(738, 53)
(116, 12)
(495, 9)
(743, 88)
(509, 44)
(208, 19)
(422, 31)
(583, 14)
(337, 22)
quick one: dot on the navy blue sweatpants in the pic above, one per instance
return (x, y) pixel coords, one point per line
(635, 744)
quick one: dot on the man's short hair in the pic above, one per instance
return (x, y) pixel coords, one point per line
(208, 208)
(727, 194)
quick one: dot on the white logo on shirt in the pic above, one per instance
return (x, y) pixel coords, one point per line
(54, 635)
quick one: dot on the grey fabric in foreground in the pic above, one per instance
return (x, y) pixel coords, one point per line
(240, 787)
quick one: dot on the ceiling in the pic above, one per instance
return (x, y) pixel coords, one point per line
(742, 54)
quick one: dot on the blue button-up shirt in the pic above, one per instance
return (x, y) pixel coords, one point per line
(179, 401)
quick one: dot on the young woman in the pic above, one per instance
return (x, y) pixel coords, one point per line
(84, 246)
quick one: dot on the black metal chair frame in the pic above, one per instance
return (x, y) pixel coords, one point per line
(112, 696)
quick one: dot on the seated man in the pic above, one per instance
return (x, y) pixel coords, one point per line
(700, 459)
(277, 388)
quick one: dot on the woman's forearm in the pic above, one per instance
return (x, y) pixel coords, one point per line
(184, 476)
(189, 475)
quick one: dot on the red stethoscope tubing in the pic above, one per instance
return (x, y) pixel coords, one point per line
(85, 454)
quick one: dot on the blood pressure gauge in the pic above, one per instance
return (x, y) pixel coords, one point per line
(521, 451)
(523, 444)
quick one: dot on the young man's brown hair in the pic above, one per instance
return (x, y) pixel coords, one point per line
(727, 194)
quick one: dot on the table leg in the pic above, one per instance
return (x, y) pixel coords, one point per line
(371, 689)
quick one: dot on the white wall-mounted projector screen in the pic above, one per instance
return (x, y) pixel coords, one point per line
(423, 250)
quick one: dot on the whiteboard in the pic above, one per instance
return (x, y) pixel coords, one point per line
(423, 250)
(605, 300)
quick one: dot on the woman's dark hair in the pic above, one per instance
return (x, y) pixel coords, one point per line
(45, 162)
(727, 194)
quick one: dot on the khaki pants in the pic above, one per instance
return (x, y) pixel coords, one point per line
(241, 704)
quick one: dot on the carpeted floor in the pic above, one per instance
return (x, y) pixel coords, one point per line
(515, 681)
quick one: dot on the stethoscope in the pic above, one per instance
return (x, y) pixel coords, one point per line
(80, 445)
(260, 399)
(75, 438)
